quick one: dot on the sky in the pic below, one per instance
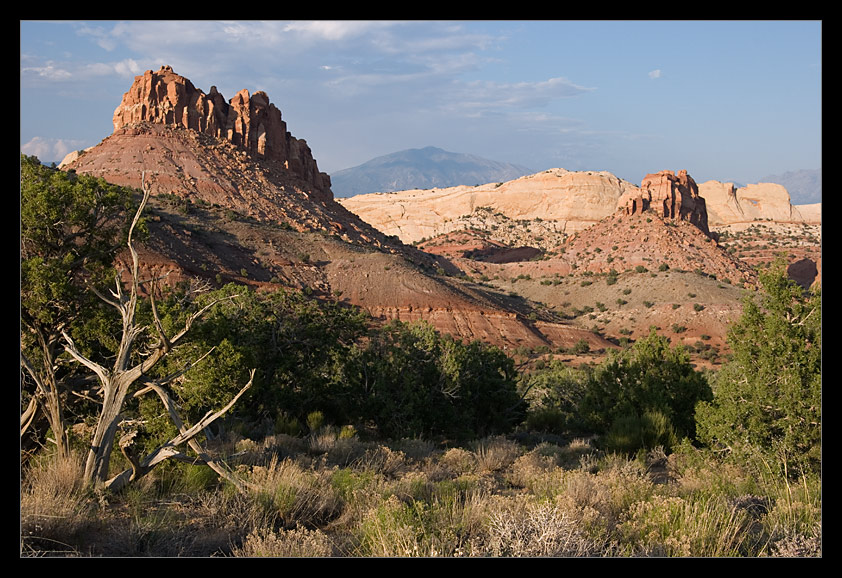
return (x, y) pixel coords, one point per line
(725, 100)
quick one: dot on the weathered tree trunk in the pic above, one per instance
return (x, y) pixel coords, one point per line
(116, 383)
(168, 450)
(102, 442)
(47, 396)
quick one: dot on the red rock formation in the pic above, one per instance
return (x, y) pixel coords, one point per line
(671, 196)
(248, 121)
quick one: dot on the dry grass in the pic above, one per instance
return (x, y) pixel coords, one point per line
(529, 528)
(329, 495)
(54, 506)
(682, 527)
(296, 543)
(296, 496)
(495, 454)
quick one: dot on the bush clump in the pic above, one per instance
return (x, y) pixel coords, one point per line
(650, 388)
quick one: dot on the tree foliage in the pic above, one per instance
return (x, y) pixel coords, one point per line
(555, 393)
(650, 384)
(320, 356)
(413, 381)
(71, 228)
(768, 397)
(127, 373)
(297, 345)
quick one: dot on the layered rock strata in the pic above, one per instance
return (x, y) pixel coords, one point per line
(556, 203)
(235, 198)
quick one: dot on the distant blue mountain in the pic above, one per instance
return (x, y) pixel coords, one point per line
(804, 186)
(424, 168)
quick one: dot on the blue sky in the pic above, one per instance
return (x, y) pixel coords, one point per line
(726, 100)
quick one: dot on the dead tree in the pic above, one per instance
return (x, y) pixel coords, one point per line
(140, 468)
(116, 382)
(45, 405)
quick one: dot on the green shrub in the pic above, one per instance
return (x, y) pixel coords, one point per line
(315, 421)
(650, 377)
(411, 381)
(284, 424)
(580, 347)
(631, 432)
(199, 477)
(555, 395)
(548, 420)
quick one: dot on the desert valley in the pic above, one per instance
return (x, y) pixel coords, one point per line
(515, 264)
(557, 268)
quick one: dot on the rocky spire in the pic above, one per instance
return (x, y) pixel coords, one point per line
(247, 120)
(671, 196)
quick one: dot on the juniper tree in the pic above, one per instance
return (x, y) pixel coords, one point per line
(768, 397)
(652, 382)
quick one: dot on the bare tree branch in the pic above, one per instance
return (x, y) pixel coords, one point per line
(28, 416)
(186, 435)
(99, 370)
(116, 382)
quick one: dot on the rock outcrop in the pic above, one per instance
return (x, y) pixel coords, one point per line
(558, 203)
(247, 120)
(728, 204)
(671, 196)
(805, 272)
(563, 200)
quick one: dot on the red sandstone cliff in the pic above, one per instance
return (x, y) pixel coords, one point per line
(248, 121)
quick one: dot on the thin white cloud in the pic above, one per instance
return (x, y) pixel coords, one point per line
(48, 71)
(655, 73)
(288, 45)
(486, 95)
(333, 30)
(80, 72)
(124, 68)
(128, 67)
(103, 38)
